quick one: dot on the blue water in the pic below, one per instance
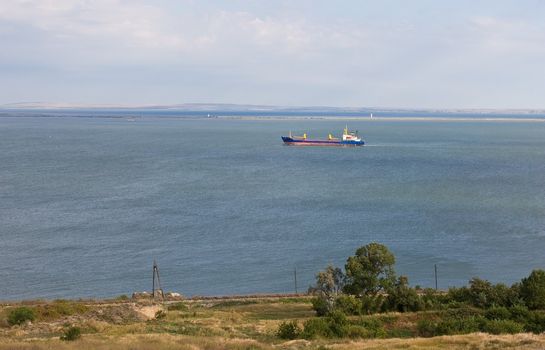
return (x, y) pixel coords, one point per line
(86, 204)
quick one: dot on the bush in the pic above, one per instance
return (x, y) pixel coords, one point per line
(497, 313)
(483, 294)
(348, 304)
(458, 295)
(320, 305)
(371, 304)
(532, 290)
(374, 327)
(20, 315)
(426, 328)
(535, 322)
(338, 324)
(451, 326)
(72, 333)
(519, 313)
(356, 332)
(402, 298)
(288, 330)
(431, 300)
(177, 307)
(316, 327)
(502, 327)
(463, 312)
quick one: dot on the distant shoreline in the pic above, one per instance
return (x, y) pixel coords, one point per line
(342, 118)
(136, 118)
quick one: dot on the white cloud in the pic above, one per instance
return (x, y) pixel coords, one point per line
(339, 59)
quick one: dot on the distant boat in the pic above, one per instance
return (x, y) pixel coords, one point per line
(348, 139)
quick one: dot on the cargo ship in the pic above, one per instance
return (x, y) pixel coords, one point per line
(348, 139)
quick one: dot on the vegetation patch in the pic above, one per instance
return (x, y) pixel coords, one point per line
(71, 334)
(21, 315)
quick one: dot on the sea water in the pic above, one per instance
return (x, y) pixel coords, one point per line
(87, 204)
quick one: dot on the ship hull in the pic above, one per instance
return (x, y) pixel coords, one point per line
(289, 141)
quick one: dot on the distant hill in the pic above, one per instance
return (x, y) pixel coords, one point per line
(246, 108)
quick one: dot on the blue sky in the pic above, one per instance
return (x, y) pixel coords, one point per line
(383, 53)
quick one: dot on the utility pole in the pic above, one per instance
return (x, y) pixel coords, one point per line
(159, 290)
(435, 266)
(295, 278)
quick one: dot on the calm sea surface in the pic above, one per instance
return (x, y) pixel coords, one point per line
(86, 204)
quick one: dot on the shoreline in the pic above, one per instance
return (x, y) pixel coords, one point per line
(417, 119)
(136, 118)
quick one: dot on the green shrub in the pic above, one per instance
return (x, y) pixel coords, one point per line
(20, 315)
(177, 307)
(463, 312)
(356, 332)
(451, 326)
(502, 326)
(426, 328)
(288, 330)
(497, 313)
(371, 304)
(519, 313)
(459, 295)
(374, 327)
(316, 327)
(532, 290)
(402, 298)
(72, 333)
(338, 324)
(431, 300)
(483, 294)
(348, 304)
(535, 322)
(320, 305)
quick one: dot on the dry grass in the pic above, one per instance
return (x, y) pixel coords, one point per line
(473, 341)
(218, 324)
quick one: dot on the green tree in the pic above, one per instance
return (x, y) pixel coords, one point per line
(329, 284)
(370, 271)
(532, 290)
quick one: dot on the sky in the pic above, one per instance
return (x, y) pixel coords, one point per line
(351, 53)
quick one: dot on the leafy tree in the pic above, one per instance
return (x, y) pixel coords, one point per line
(532, 290)
(370, 270)
(349, 304)
(329, 284)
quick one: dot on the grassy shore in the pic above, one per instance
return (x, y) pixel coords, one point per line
(244, 323)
